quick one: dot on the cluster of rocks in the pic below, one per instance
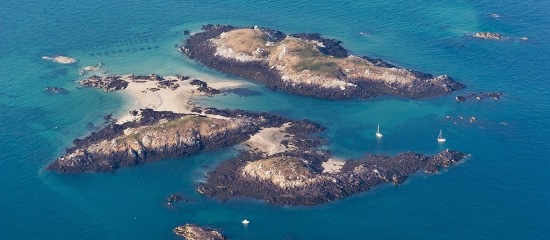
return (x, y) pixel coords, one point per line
(94, 68)
(57, 90)
(112, 83)
(489, 35)
(160, 81)
(458, 119)
(479, 96)
(107, 83)
(199, 47)
(495, 36)
(194, 232)
(174, 198)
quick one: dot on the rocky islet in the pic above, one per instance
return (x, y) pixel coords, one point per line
(307, 64)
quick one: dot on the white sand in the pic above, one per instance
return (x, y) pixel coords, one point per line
(178, 101)
(333, 165)
(268, 140)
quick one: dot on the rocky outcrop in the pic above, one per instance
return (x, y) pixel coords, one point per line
(61, 59)
(174, 198)
(157, 135)
(308, 64)
(194, 232)
(107, 83)
(489, 35)
(112, 83)
(203, 87)
(298, 178)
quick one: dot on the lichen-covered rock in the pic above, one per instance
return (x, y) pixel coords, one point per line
(489, 35)
(194, 232)
(157, 135)
(296, 178)
(308, 64)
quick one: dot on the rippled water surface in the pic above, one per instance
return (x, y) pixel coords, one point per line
(501, 192)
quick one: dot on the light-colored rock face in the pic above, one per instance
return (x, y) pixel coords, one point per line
(193, 232)
(61, 59)
(489, 35)
(241, 44)
(299, 60)
(182, 132)
(284, 172)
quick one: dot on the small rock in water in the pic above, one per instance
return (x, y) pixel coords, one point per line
(61, 59)
(57, 90)
(489, 35)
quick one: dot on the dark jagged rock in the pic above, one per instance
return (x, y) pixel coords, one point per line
(194, 232)
(478, 96)
(108, 119)
(57, 90)
(299, 179)
(108, 83)
(203, 87)
(344, 84)
(174, 198)
(116, 82)
(489, 35)
(182, 77)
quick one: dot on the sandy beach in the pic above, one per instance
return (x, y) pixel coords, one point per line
(333, 165)
(268, 140)
(147, 95)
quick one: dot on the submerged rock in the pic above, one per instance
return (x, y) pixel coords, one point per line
(479, 96)
(174, 198)
(61, 59)
(308, 64)
(57, 90)
(242, 92)
(194, 232)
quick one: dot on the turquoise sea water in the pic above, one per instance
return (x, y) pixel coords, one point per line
(501, 192)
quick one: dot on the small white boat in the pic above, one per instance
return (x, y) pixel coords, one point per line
(378, 134)
(440, 138)
(245, 222)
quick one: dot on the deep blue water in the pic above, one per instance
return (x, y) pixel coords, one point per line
(501, 192)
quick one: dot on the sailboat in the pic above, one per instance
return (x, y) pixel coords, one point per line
(440, 138)
(378, 134)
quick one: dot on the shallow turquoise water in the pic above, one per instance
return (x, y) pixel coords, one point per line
(501, 192)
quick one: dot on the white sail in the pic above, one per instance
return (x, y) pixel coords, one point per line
(378, 134)
(440, 138)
